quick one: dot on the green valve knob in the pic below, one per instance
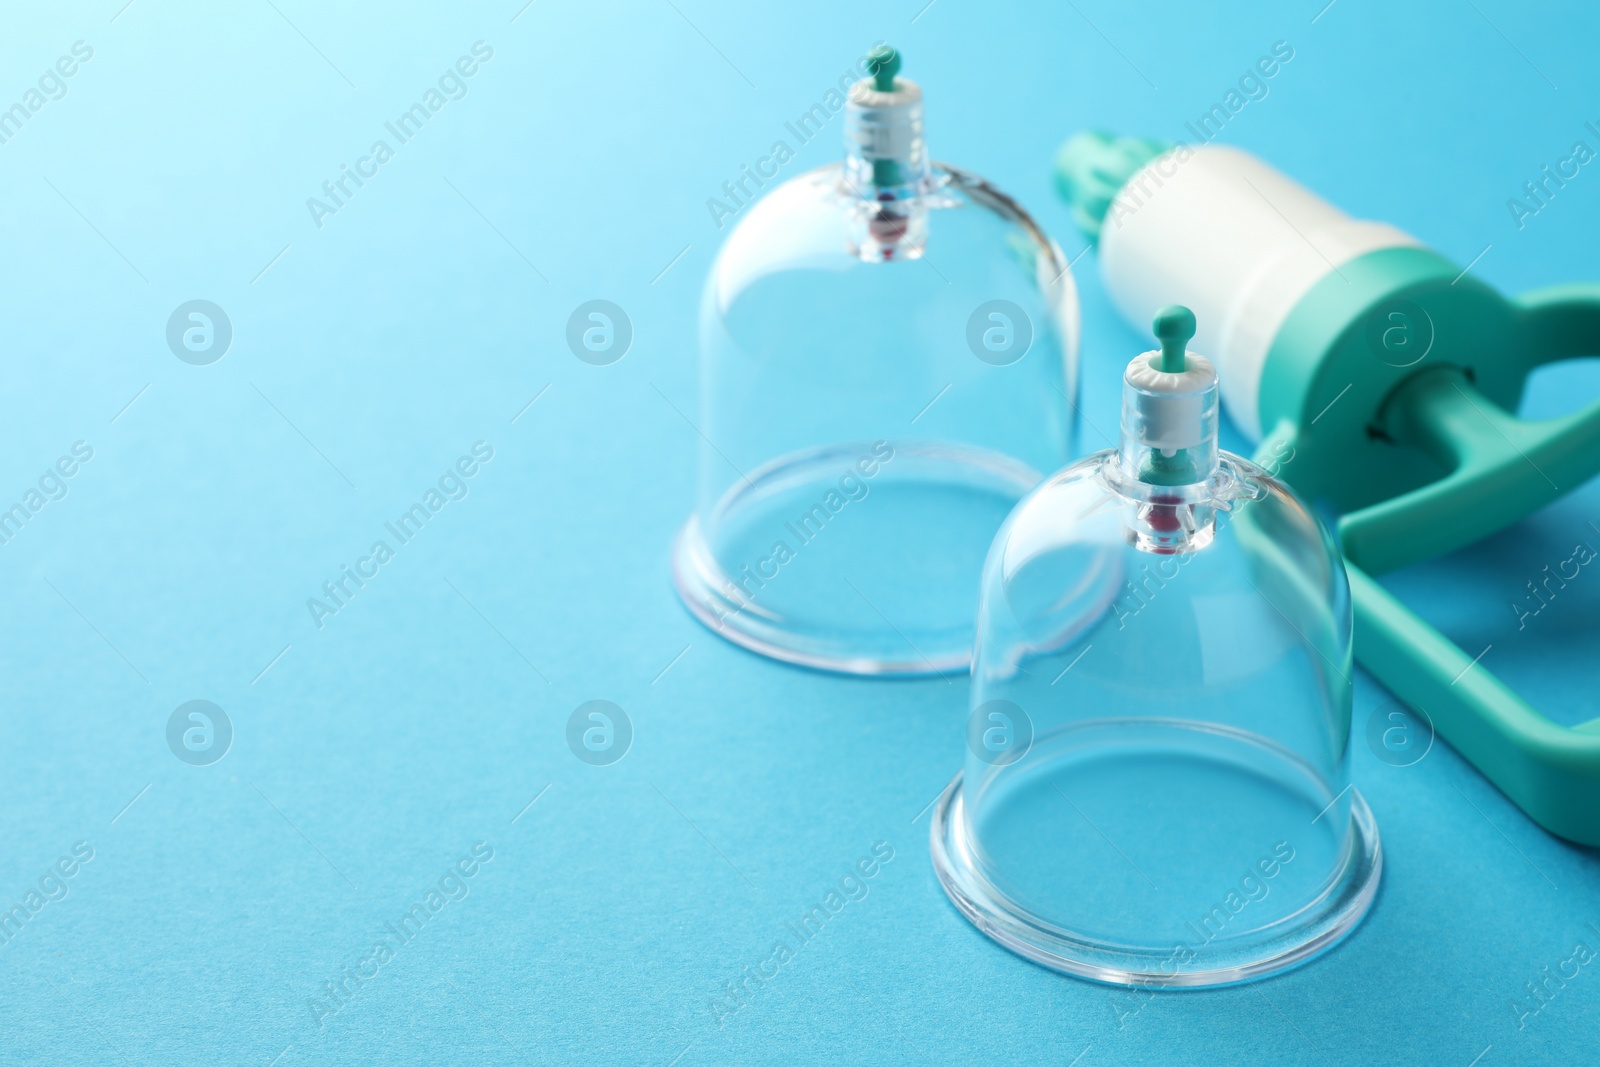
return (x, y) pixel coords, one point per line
(1173, 326)
(883, 63)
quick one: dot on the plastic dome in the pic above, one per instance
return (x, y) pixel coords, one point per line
(888, 349)
(1156, 786)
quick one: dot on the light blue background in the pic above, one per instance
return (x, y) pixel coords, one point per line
(423, 718)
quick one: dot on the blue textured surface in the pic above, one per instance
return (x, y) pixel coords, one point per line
(372, 753)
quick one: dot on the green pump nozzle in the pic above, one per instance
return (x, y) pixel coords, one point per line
(1092, 166)
(1173, 326)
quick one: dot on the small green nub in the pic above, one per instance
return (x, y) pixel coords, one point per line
(1173, 326)
(883, 63)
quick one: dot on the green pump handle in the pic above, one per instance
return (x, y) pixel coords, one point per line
(1430, 457)
(1502, 468)
(1550, 771)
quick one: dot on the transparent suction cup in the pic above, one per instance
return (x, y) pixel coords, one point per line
(888, 346)
(1156, 787)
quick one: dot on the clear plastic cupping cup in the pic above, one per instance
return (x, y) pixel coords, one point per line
(888, 363)
(1156, 786)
